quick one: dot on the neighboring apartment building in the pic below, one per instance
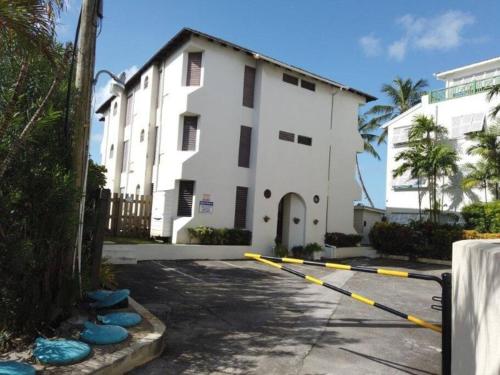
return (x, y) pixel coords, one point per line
(461, 107)
(225, 137)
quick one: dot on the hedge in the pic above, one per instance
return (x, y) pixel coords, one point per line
(342, 240)
(482, 217)
(220, 236)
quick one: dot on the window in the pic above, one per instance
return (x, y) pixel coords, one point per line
(290, 79)
(248, 86)
(158, 87)
(115, 108)
(130, 105)
(189, 133)
(245, 145)
(286, 136)
(308, 85)
(469, 123)
(146, 82)
(240, 211)
(137, 191)
(303, 140)
(193, 76)
(185, 205)
(141, 138)
(125, 156)
(111, 151)
(400, 135)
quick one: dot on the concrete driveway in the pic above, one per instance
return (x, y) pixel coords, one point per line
(242, 317)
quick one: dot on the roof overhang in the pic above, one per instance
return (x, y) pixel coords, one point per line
(444, 75)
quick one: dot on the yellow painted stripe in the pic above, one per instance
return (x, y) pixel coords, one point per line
(292, 260)
(392, 273)
(423, 323)
(338, 266)
(268, 262)
(252, 255)
(314, 280)
(362, 299)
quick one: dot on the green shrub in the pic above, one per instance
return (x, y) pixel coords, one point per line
(418, 239)
(482, 217)
(280, 250)
(313, 247)
(298, 251)
(342, 240)
(220, 236)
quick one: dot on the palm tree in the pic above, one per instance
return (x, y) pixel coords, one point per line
(366, 129)
(478, 176)
(403, 94)
(494, 91)
(427, 156)
(487, 147)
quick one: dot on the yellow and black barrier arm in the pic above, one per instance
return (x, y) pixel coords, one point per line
(357, 297)
(347, 267)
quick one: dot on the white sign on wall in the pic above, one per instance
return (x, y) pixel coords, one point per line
(206, 207)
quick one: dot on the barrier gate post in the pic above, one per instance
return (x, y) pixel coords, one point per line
(446, 325)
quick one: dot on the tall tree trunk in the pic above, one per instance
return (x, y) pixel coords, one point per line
(363, 184)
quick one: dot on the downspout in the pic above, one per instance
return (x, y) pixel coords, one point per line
(330, 157)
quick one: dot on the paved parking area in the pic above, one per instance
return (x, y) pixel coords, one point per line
(242, 317)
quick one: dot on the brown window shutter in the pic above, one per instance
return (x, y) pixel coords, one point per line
(189, 133)
(185, 205)
(286, 136)
(124, 156)
(245, 146)
(308, 85)
(302, 139)
(240, 212)
(248, 86)
(290, 79)
(193, 76)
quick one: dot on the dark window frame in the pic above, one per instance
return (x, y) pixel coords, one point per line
(249, 86)
(304, 140)
(189, 133)
(192, 59)
(292, 80)
(245, 147)
(286, 136)
(241, 207)
(308, 85)
(185, 207)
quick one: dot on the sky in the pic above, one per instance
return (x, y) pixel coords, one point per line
(362, 44)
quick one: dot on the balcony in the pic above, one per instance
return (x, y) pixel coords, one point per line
(466, 89)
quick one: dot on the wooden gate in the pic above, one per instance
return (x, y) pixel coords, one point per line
(130, 215)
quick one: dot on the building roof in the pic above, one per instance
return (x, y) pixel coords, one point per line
(445, 74)
(360, 206)
(404, 114)
(185, 34)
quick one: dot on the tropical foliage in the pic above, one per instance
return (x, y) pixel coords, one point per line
(367, 129)
(494, 91)
(403, 94)
(482, 217)
(428, 156)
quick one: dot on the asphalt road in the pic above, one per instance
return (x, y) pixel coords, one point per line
(242, 317)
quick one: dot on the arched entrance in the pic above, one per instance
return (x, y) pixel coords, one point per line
(291, 228)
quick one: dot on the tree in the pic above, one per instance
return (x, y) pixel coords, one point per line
(494, 91)
(428, 156)
(366, 129)
(403, 94)
(478, 175)
(487, 147)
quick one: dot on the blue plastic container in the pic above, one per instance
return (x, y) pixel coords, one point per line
(122, 319)
(16, 368)
(60, 351)
(103, 334)
(112, 298)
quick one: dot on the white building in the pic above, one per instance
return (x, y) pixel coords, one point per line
(461, 107)
(220, 135)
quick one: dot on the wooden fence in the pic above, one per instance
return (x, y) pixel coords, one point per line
(130, 215)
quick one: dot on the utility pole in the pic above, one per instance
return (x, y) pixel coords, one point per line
(90, 14)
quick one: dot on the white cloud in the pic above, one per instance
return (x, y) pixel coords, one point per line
(397, 49)
(102, 93)
(371, 45)
(439, 33)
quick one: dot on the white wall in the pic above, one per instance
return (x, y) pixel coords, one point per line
(476, 307)
(325, 169)
(442, 112)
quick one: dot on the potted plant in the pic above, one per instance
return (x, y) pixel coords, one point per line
(313, 250)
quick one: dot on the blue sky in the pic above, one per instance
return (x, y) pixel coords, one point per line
(362, 44)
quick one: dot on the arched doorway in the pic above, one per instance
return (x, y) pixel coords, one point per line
(291, 227)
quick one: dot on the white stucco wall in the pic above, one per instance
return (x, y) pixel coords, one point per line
(442, 112)
(325, 169)
(476, 307)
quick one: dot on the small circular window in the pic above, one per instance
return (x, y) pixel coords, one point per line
(316, 199)
(267, 193)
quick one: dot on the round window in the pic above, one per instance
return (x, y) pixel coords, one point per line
(267, 193)
(316, 199)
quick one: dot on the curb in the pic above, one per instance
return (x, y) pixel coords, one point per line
(143, 350)
(419, 260)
